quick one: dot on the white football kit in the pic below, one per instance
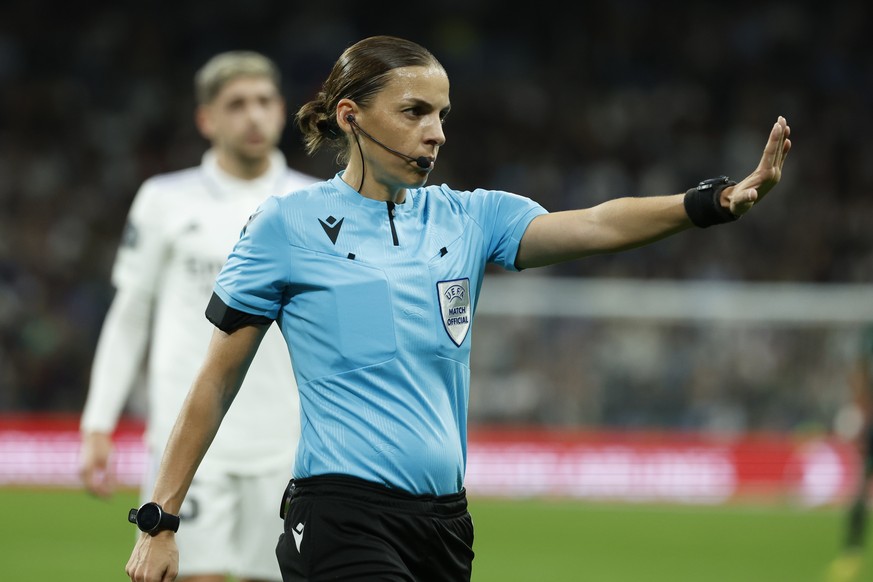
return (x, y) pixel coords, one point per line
(180, 230)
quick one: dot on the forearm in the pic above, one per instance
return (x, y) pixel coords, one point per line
(615, 225)
(220, 377)
(625, 223)
(193, 432)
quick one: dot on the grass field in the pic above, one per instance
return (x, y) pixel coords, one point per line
(65, 535)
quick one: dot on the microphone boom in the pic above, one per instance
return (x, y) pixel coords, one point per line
(422, 162)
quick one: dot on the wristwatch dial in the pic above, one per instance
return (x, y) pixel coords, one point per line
(148, 517)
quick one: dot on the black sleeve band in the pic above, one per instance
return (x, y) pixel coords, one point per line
(228, 319)
(704, 206)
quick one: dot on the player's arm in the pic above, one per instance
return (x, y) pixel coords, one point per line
(125, 335)
(119, 356)
(220, 377)
(625, 223)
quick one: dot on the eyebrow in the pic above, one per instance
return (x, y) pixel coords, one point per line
(415, 101)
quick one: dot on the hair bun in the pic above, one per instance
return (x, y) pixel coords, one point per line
(328, 129)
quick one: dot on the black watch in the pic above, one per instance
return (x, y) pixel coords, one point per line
(151, 518)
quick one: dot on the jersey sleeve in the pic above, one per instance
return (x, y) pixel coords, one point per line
(120, 352)
(253, 279)
(504, 218)
(124, 337)
(143, 247)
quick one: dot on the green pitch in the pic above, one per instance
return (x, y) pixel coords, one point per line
(66, 535)
(581, 542)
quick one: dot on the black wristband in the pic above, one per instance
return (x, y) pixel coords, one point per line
(703, 203)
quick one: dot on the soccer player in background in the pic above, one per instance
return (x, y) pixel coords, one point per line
(847, 566)
(181, 227)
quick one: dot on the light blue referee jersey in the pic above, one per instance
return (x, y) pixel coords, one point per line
(376, 303)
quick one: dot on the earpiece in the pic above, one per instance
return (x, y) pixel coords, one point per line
(350, 118)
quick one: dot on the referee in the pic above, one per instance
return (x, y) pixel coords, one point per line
(374, 279)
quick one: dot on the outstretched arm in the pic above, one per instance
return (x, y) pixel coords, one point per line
(155, 558)
(625, 223)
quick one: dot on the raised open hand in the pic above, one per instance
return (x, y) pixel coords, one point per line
(755, 186)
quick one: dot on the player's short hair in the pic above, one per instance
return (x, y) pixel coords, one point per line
(227, 66)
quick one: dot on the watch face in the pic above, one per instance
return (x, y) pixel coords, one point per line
(148, 517)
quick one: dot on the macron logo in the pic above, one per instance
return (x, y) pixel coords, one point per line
(297, 532)
(331, 227)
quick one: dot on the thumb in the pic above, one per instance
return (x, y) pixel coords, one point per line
(743, 200)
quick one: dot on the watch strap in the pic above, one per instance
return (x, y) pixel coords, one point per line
(169, 521)
(703, 203)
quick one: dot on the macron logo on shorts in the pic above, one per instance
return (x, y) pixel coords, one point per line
(297, 532)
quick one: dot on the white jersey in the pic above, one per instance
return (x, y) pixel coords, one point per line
(180, 230)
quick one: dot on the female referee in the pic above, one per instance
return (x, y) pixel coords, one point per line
(374, 278)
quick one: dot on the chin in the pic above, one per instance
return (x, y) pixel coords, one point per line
(418, 183)
(255, 153)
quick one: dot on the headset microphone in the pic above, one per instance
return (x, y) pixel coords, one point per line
(421, 161)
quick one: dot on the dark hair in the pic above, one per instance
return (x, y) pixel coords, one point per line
(359, 74)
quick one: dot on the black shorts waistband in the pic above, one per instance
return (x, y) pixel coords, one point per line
(363, 491)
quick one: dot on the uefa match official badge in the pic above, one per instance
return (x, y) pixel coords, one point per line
(455, 308)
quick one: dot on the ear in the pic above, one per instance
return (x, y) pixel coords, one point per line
(203, 120)
(344, 108)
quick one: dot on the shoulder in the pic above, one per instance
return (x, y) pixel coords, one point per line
(295, 179)
(479, 198)
(305, 194)
(444, 195)
(477, 193)
(164, 188)
(288, 207)
(174, 180)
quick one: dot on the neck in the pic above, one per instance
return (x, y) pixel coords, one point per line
(243, 168)
(374, 190)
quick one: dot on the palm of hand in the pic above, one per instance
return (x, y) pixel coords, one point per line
(756, 185)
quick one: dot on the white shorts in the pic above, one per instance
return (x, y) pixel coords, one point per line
(230, 524)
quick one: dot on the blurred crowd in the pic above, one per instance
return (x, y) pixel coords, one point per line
(570, 105)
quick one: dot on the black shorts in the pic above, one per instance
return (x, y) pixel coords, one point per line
(343, 528)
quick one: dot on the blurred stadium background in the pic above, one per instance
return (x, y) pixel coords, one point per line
(700, 374)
